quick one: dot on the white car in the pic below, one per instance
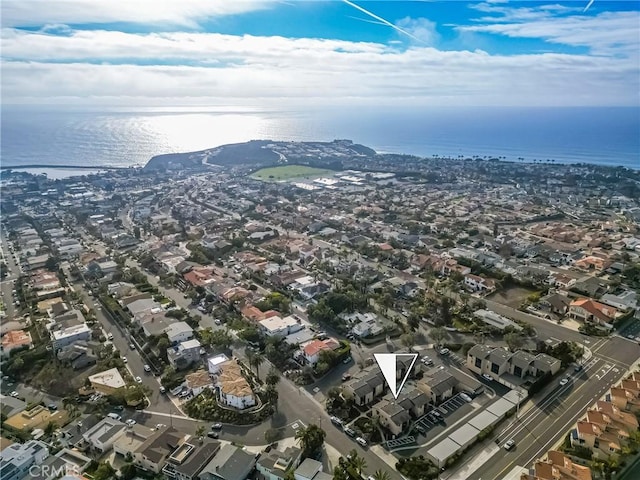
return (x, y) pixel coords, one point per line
(564, 381)
(138, 380)
(509, 445)
(14, 394)
(131, 422)
(147, 368)
(486, 376)
(361, 441)
(466, 397)
(124, 360)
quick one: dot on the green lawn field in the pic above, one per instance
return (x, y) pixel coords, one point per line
(288, 172)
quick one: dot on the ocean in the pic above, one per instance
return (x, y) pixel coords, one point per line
(97, 136)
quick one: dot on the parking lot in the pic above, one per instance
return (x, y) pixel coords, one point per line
(436, 417)
(631, 330)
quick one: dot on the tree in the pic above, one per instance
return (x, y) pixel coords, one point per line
(273, 377)
(311, 439)
(271, 395)
(255, 360)
(381, 475)
(49, 429)
(128, 471)
(514, 341)
(408, 340)
(358, 463)
(104, 472)
(437, 334)
(200, 431)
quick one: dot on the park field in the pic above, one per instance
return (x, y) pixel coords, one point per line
(289, 172)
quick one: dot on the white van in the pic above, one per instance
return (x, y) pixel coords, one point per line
(115, 416)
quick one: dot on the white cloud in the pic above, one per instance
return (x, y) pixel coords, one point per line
(169, 12)
(421, 29)
(609, 33)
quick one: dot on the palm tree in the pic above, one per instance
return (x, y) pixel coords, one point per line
(258, 359)
(381, 475)
(200, 430)
(358, 463)
(311, 439)
(273, 377)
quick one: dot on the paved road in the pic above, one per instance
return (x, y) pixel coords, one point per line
(551, 417)
(295, 404)
(8, 284)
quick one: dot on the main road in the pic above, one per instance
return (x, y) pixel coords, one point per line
(550, 417)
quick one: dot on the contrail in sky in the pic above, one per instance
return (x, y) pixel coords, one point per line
(382, 20)
(588, 5)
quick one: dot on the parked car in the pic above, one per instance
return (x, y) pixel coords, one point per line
(421, 429)
(131, 422)
(466, 397)
(346, 376)
(162, 389)
(216, 426)
(52, 406)
(486, 376)
(509, 445)
(213, 435)
(114, 416)
(350, 432)
(347, 360)
(147, 368)
(124, 360)
(132, 346)
(445, 351)
(138, 380)
(564, 381)
(361, 441)
(336, 421)
(577, 368)
(14, 394)
(110, 336)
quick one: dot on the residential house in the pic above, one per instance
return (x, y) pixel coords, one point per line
(184, 354)
(63, 336)
(154, 451)
(189, 459)
(497, 362)
(273, 465)
(36, 417)
(107, 382)
(369, 383)
(103, 435)
(77, 356)
(311, 470)
(10, 406)
(392, 416)
(557, 466)
(234, 389)
(438, 385)
(556, 303)
(132, 439)
(13, 340)
(71, 436)
(311, 351)
(71, 462)
(229, 463)
(479, 284)
(214, 363)
(494, 320)
(179, 332)
(280, 326)
(198, 381)
(588, 310)
(17, 459)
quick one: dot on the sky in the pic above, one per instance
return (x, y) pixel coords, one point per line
(336, 52)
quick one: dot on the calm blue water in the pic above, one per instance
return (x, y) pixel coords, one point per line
(123, 137)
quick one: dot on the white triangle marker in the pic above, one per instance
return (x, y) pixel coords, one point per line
(388, 363)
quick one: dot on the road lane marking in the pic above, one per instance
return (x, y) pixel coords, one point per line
(544, 447)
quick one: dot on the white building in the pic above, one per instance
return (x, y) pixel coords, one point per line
(213, 363)
(179, 332)
(103, 435)
(68, 336)
(16, 459)
(234, 389)
(280, 326)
